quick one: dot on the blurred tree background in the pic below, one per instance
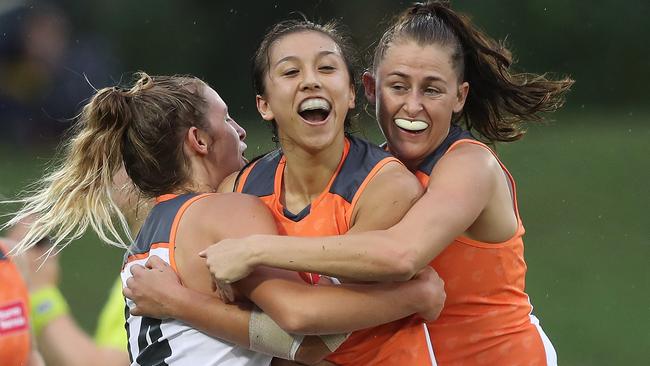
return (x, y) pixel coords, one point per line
(582, 176)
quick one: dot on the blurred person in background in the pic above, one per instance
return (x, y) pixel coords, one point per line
(44, 76)
(17, 347)
(60, 339)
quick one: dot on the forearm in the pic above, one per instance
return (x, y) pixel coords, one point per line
(208, 314)
(326, 309)
(62, 342)
(369, 256)
(35, 358)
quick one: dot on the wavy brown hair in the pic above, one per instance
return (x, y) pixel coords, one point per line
(499, 99)
(140, 128)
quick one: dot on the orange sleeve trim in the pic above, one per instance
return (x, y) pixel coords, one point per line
(366, 181)
(520, 226)
(177, 220)
(144, 255)
(165, 197)
(515, 239)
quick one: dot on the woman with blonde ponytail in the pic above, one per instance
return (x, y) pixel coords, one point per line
(177, 143)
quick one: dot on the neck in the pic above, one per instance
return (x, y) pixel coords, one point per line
(307, 174)
(412, 165)
(200, 180)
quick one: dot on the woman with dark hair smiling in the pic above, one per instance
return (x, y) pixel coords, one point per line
(436, 82)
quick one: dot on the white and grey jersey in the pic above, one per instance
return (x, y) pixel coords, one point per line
(172, 342)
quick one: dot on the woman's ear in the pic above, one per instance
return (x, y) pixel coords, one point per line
(353, 97)
(369, 87)
(198, 141)
(264, 108)
(463, 90)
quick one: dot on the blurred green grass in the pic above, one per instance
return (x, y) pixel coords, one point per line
(583, 193)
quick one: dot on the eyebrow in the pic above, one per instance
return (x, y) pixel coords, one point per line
(321, 54)
(403, 75)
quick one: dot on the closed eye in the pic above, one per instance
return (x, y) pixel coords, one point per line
(290, 72)
(431, 91)
(399, 87)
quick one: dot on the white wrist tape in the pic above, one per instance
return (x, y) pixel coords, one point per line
(267, 337)
(334, 341)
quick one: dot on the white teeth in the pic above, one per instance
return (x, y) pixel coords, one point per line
(409, 125)
(314, 103)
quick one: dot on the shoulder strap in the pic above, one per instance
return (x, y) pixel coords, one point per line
(258, 177)
(455, 134)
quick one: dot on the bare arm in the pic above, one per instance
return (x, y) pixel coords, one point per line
(62, 342)
(328, 309)
(282, 295)
(296, 306)
(385, 201)
(460, 192)
(295, 309)
(35, 358)
(158, 293)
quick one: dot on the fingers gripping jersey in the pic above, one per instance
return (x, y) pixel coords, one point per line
(169, 341)
(14, 325)
(487, 318)
(330, 214)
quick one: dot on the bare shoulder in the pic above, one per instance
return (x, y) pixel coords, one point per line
(467, 159)
(232, 215)
(230, 206)
(395, 178)
(386, 199)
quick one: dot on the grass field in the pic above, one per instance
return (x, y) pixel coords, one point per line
(583, 193)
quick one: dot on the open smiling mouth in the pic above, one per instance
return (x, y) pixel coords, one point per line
(314, 110)
(411, 126)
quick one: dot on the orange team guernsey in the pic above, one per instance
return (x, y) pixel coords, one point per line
(14, 325)
(487, 318)
(330, 214)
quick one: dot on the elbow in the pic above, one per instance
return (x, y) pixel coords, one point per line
(296, 321)
(404, 265)
(393, 260)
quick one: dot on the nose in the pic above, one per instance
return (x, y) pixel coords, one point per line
(310, 80)
(413, 104)
(241, 132)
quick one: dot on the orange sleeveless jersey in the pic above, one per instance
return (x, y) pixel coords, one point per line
(487, 318)
(330, 214)
(14, 305)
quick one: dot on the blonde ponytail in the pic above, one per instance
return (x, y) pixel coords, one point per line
(142, 129)
(77, 194)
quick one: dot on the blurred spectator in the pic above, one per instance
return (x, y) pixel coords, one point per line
(43, 72)
(60, 339)
(16, 345)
